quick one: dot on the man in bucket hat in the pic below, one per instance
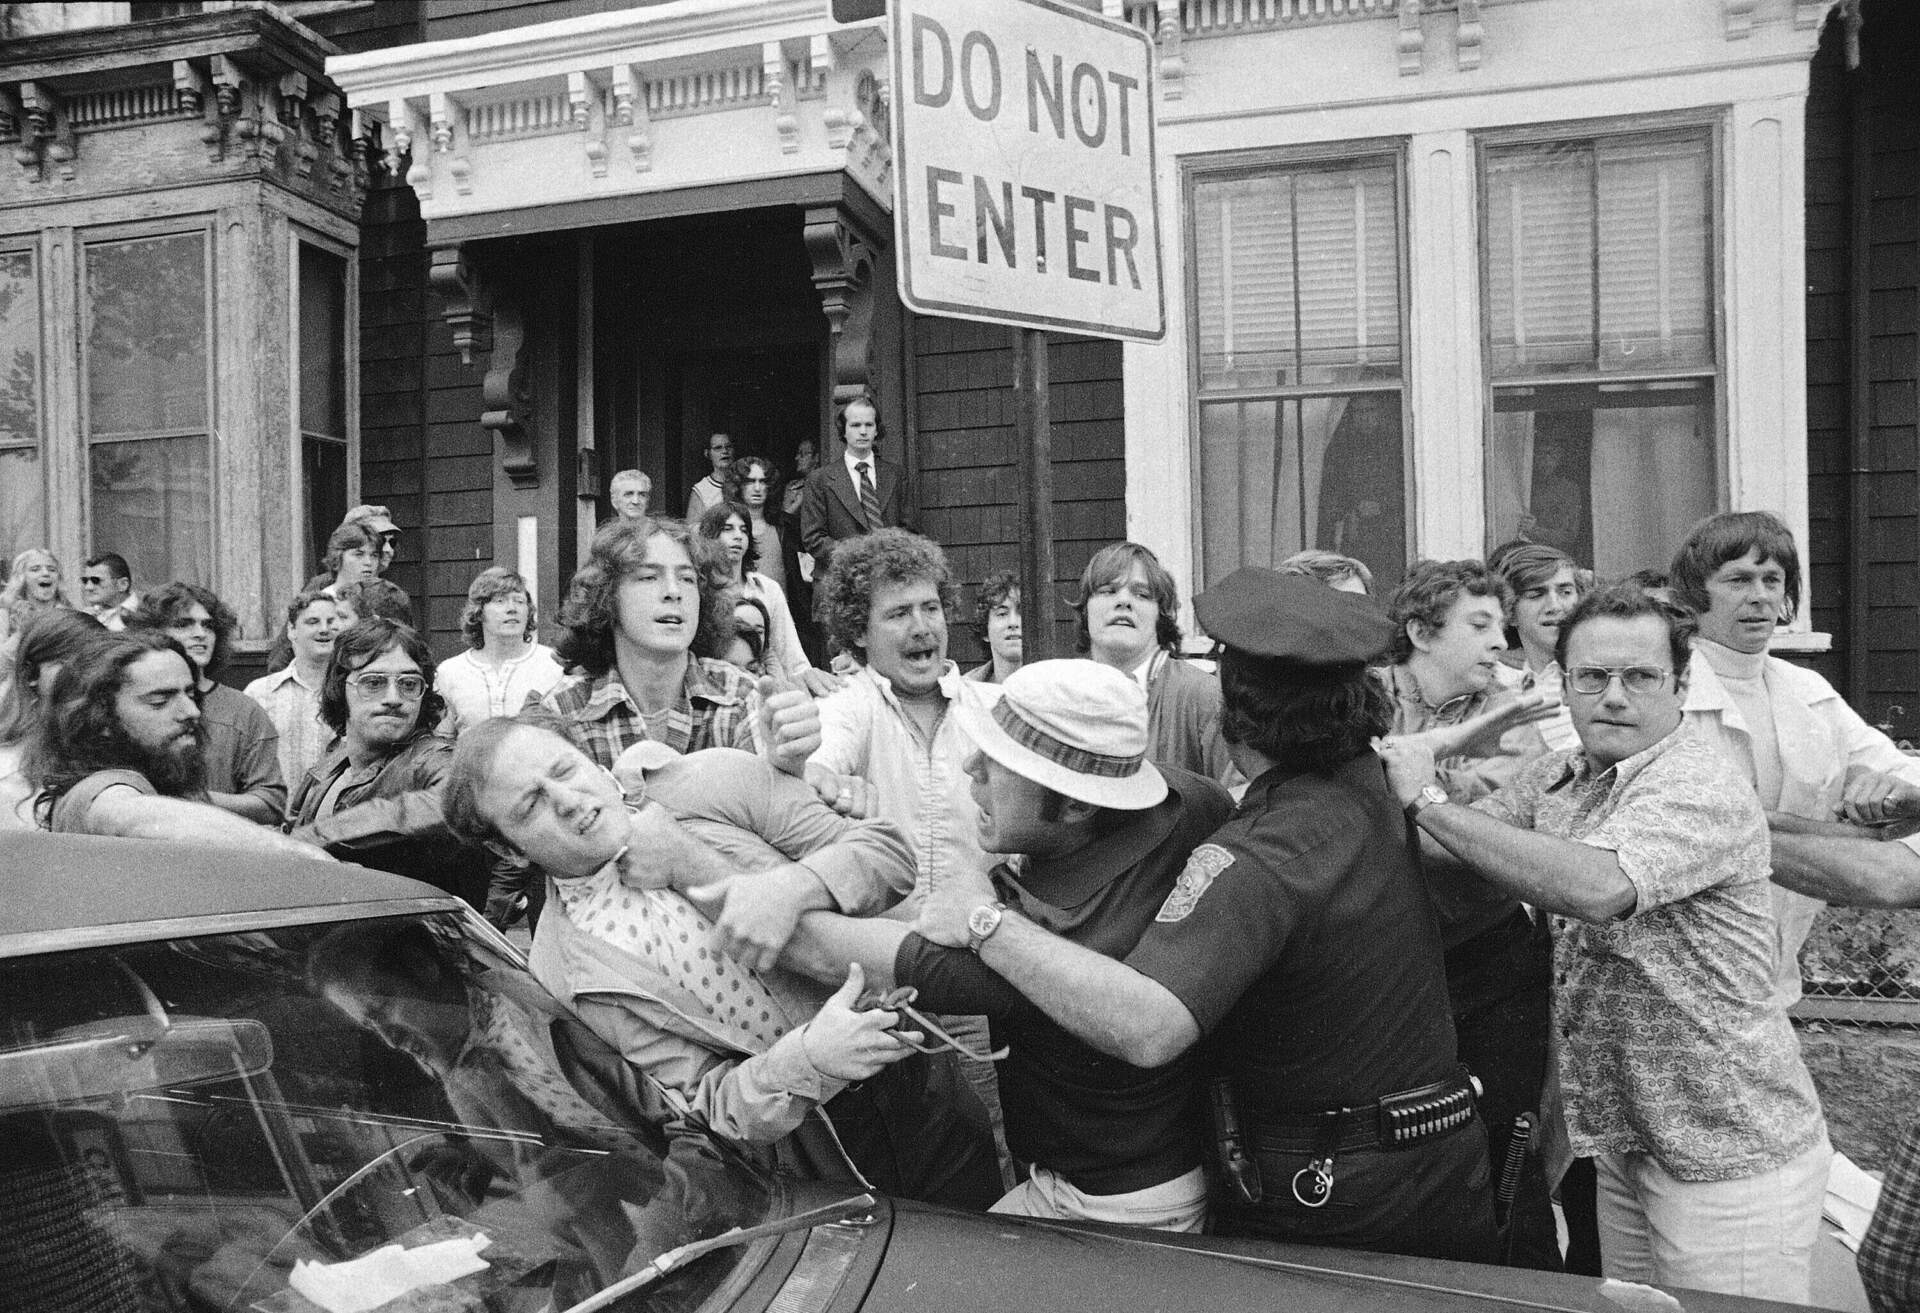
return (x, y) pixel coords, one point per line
(1299, 942)
(1092, 837)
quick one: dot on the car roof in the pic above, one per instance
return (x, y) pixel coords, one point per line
(65, 890)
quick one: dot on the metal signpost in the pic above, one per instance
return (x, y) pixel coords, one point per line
(1024, 194)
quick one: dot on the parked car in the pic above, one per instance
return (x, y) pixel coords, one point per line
(230, 1082)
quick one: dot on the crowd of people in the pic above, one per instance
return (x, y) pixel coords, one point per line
(1385, 927)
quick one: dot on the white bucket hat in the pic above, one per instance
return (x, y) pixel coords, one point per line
(1077, 727)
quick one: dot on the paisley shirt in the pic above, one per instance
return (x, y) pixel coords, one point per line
(1672, 1041)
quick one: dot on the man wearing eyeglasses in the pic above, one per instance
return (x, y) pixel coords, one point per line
(374, 798)
(1681, 1075)
(711, 490)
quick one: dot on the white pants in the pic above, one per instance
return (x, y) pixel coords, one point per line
(1753, 1236)
(1176, 1205)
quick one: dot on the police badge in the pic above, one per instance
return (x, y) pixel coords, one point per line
(1203, 867)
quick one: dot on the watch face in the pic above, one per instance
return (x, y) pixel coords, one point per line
(982, 921)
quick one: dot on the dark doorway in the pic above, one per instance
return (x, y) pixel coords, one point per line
(767, 399)
(706, 324)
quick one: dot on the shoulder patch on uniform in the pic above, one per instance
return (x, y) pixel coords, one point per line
(1202, 869)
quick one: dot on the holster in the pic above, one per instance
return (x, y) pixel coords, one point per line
(1230, 1143)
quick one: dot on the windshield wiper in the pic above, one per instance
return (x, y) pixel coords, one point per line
(673, 1259)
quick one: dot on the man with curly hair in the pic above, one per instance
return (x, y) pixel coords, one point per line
(887, 740)
(646, 619)
(242, 746)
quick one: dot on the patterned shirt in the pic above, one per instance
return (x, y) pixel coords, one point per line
(663, 929)
(715, 710)
(1673, 1043)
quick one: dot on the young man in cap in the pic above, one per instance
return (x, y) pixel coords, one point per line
(1300, 943)
(1092, 836)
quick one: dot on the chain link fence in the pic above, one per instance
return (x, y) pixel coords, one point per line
(1859, 1026)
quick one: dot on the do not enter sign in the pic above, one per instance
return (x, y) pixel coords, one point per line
(1024, 166)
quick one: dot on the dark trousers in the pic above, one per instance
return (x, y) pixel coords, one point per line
(918, 1131)
(1430, 1200)
(1498, 983)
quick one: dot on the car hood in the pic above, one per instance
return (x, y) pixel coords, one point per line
(1014, 1264)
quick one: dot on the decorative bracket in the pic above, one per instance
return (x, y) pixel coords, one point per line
(487, 322)
(1469, 37)
(580, 91)
(630, 113)
(1412, 40)
(842, 273)
(773, 71)
(1173, 62)
(1739, 17)
(39, 115)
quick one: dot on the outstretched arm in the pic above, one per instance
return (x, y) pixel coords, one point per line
(1851, 871)
(130, 814)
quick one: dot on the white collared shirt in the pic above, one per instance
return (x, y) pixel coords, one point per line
(293, 705)
(917, 781)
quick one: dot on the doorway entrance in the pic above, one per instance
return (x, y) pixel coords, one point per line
(767, 399)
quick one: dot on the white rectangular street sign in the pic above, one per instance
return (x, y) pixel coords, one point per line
(1024, 166)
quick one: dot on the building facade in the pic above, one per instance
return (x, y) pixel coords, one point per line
(1440, 273)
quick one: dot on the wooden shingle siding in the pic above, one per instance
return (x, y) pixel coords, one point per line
(1890, 691)
(968, 486)
(423, 453)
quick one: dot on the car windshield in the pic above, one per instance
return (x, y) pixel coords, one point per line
(243, 1121)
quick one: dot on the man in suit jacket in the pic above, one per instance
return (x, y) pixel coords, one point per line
(834, 507)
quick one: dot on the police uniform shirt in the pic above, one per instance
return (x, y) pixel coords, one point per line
(1107, 1126)
(1301, 939)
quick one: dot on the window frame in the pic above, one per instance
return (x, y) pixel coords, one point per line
(1197, 169)
(300, 234)
(199, 223)
(29, 245)
(1709, 123)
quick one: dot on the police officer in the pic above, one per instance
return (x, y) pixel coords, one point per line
(1298, 945)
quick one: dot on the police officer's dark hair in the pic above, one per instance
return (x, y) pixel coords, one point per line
(1734, 536)
(1301, 718)
(169, 606)
(1629, 600)
(1428, 593)
(1115, 561)
(365, 641)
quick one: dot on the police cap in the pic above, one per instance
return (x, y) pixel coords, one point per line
(1292, 617)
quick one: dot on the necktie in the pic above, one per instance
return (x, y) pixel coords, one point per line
(869, 499)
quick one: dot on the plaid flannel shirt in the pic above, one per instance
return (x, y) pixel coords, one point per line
(715, 710)
(1889, 1258)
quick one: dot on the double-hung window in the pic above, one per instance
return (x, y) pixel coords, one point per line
(148, 393)
(23, 520)
(1598, 293)
(1298, 361)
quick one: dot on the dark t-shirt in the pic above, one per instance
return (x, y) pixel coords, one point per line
(73, 812)
(1107, 1126)
(1301, 939)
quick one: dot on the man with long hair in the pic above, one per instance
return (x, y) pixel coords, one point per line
(242, 746)
(375, 797)
(645, 620)
(120, 749)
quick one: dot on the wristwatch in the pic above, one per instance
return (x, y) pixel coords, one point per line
(1429, 795)
(982, 921)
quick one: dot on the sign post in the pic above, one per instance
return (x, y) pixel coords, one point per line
(1025, 194)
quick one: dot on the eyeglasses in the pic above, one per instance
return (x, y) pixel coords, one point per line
(375, 685)
(97, 580)
(1592, 680)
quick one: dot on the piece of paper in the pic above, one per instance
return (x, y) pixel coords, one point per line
(1851, 1197)
(387, 1273)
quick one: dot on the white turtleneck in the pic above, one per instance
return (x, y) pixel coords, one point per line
(1744, 676)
